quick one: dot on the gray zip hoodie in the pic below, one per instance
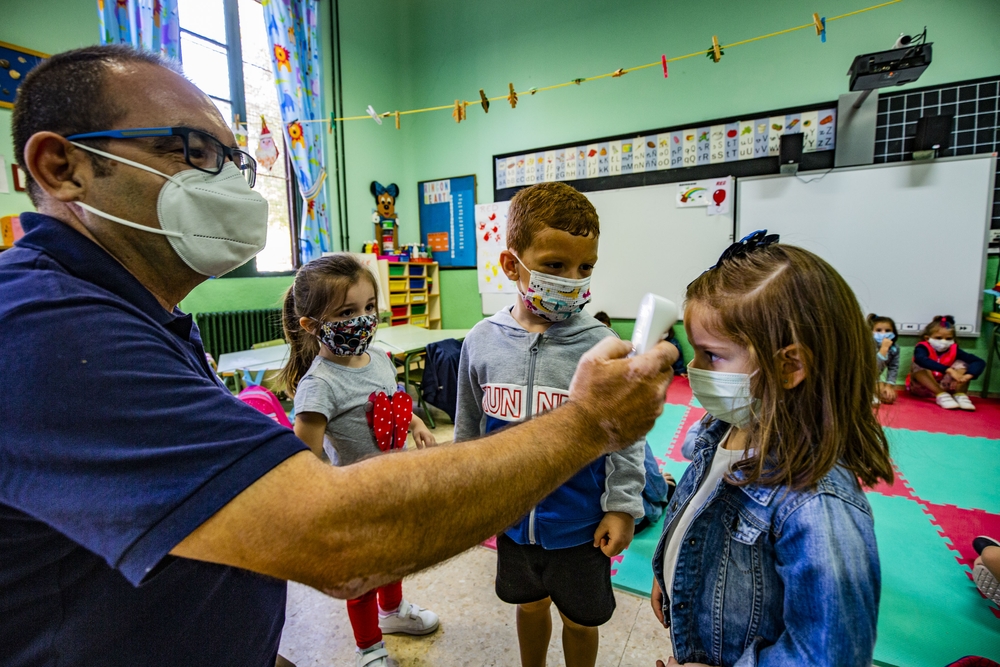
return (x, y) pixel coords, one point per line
(508, 375)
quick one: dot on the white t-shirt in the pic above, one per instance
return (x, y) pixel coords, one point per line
(723, 462)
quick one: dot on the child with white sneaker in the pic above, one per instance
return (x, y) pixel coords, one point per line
(518, 364)
(346, 401)
(941, 369)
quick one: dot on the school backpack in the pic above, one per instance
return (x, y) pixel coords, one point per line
(266, 402)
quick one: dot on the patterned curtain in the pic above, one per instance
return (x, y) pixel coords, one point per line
(148, 25)
(295, 51)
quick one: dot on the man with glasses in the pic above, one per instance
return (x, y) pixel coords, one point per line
(147, 517)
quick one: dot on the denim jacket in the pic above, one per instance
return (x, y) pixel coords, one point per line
(772, 576)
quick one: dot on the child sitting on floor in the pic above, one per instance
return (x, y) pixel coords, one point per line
(886, 355)
(942, 370)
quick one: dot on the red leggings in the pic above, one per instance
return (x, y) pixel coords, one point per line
(363, 612)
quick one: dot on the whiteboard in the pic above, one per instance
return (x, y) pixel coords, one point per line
(910, 238)
(647, 245)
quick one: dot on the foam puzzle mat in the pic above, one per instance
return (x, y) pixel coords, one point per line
(946, 492)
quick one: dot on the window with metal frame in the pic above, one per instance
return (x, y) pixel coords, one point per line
(224, 51)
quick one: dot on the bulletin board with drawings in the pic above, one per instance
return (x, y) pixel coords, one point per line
(447, 220)
(746, 145)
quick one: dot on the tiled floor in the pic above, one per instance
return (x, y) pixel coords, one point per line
(477, 629)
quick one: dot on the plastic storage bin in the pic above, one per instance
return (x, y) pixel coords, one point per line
(416, 270)
(419, 321)
(418, 310)
(418, 283)
(397, 284)
(418, 297)
(399, 311)
(397, 299)
(397, 270)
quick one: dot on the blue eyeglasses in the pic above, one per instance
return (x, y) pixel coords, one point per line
(201, 150)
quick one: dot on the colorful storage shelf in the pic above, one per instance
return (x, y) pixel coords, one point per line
(414, 292)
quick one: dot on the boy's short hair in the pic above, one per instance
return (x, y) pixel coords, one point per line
(554, 205)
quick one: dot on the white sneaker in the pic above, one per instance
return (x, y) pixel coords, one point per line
(409, 619)
(947, 401)
(986, 583)
(373, 656)
(964, 402)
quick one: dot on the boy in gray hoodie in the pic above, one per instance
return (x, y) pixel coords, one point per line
(518, 364)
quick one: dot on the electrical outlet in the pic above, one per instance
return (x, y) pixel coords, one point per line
(910, 327)
(994, 236)
(964, 328)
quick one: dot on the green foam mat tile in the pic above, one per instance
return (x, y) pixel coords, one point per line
(930, 613)
(948, 469)
(665, 429)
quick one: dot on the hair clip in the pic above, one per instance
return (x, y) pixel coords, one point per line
(748, 244)
(947, 322)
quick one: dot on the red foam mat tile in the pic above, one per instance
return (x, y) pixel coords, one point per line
(679, 391)
(961, 526)
(923, 414)
(899, 487)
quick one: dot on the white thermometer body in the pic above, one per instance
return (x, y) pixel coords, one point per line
(656, 316)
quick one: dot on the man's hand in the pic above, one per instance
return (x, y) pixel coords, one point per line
(622, 397)
(422, 437)
(614, 533)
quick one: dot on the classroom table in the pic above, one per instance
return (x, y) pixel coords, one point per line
(405, 341)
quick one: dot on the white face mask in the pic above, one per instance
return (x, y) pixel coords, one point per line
(215, 223)
(553, 298)
(725, 396)
(940, 344)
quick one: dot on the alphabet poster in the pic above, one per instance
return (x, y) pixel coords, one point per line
(491, 239)
(738, 140)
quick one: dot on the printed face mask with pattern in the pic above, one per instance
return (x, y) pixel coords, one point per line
(553, 298)
(348, 338)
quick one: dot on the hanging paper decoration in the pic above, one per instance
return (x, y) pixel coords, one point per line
(716, 52)
(267, 151)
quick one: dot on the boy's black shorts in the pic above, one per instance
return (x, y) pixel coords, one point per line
(578, 579)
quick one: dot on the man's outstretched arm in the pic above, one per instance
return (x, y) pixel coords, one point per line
(348, 530)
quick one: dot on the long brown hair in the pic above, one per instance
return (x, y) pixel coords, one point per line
(319, 289)
(781, 295)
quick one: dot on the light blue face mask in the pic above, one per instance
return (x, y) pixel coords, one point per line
(882, 335)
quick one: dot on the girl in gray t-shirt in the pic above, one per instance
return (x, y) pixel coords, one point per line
(330, 317)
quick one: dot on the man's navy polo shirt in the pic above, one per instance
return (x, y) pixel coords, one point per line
(116, 442)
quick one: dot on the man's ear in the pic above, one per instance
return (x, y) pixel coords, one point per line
(793, 366)
(57, 167)
(510, 265)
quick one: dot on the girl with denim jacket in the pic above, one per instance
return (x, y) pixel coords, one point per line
(768, 554)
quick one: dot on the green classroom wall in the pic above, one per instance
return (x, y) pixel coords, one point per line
(402, 54)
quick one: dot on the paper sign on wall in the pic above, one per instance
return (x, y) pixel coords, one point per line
(491, 230)
(692, 193)
(4, 188)
(438, 241)
(720, 195)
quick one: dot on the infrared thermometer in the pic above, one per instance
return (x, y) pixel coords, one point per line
(656, 316)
